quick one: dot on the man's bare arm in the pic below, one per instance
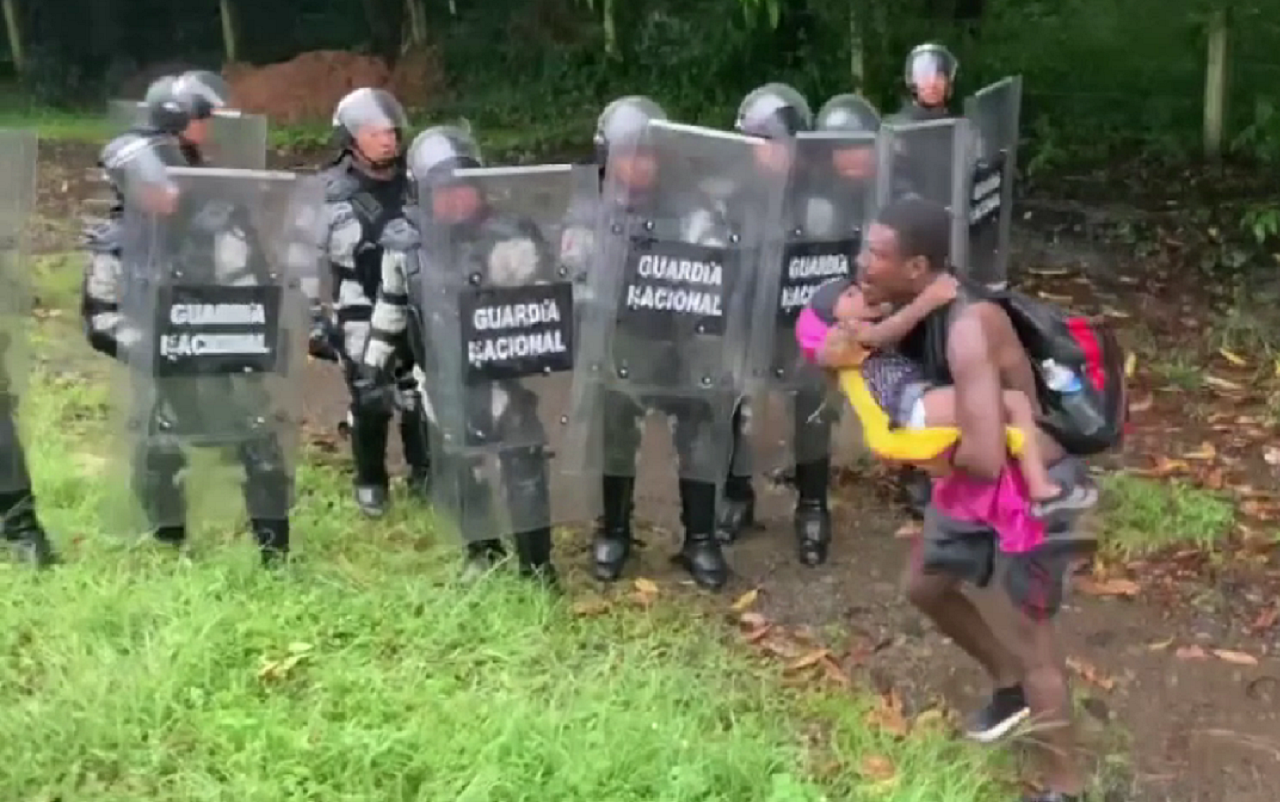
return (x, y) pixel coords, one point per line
(981, 449)
(896, 326)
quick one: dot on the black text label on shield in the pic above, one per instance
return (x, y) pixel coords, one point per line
(806, 266)
(204, 330)
(513, 332)
(672, 287)
(987, 191)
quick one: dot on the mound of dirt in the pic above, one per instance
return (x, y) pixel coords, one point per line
(307, 87)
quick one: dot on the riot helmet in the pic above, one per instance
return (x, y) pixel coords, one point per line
(848, 113)
(620, 125)
(370, 124)
(173, 102)
(930, 74)
(774, 111)
(433, 156)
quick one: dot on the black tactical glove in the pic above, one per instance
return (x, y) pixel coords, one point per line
(373, 391)
(322, 339)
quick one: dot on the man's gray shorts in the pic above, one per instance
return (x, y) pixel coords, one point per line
(1034, 579)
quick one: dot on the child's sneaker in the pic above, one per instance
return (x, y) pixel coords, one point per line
(1070, 499)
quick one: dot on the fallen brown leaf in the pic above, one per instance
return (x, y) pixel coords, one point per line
(877, 767)
(752, 620)
(1237, 658)
(1266, 619)
(1192, 652)
(933, 718)
(745, 600)
(834, 672)
(1160, 646)
(646, 586)
(1222, 384)
(1271, 455)
(1163, 467)
(756, 635)
(1142, 404)
(1130, 365)
(887, 715)
(908, 530)
(1206, 451)
(807, 660)
(591, 607)
(1233, 358)
(1107, 587)
(642, 599)
(1090, 673)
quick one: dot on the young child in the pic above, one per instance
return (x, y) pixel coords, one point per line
(838, 330)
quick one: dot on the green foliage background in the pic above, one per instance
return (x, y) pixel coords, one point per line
(1101, 75)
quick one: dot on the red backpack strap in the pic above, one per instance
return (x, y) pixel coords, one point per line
(1082, 330)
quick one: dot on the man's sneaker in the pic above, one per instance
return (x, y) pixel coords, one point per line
(1006, 710)
(1070, 499)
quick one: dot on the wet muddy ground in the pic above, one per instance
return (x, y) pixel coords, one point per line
(1178, 690)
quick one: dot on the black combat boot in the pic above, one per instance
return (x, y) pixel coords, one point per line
(737, 511)
(22, 529)
(369, 453)
(173, 536)
(533, 550)
(482, 556)
(612, 543)
(701, 555)
(813, 518)
(417, 453)
(273, 540)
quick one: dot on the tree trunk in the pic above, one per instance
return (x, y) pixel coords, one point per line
(13, 23)
(417, 17)
(1215, 85)
(229, 28)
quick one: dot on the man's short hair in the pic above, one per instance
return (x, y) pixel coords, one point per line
(923, 228)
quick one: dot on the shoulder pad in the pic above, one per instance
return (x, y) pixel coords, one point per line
(124, 148)
(339, 183)
(400, 235)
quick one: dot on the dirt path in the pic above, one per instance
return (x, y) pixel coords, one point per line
(1164, 717)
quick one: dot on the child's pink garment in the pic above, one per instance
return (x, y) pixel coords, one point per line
(1004, 505)
(811, 332)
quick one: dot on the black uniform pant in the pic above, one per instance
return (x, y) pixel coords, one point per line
(811, 443)
(17, 513)
(13, 459)
(370, 429)
(693, 430)
(158, 485)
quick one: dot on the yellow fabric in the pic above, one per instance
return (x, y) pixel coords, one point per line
(902, 445)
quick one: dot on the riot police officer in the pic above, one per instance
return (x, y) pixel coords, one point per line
(19, 524)
(774, 112)
(619, 127)
(178, 110)
(483, 412)
(366, 188)
(930, 76)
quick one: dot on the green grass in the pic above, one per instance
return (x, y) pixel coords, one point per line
(367, 671)
(1141, 516)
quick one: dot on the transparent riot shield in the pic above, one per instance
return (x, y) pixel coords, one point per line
(993, 114)
(687, 216)
(236, 139)
(212, 339)
(18, 178)
(928, 159)
(829, 195)
(497, 303)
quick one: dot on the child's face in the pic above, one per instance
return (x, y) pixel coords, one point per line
(847, 305)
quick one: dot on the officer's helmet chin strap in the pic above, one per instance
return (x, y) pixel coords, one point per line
(384, 167)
